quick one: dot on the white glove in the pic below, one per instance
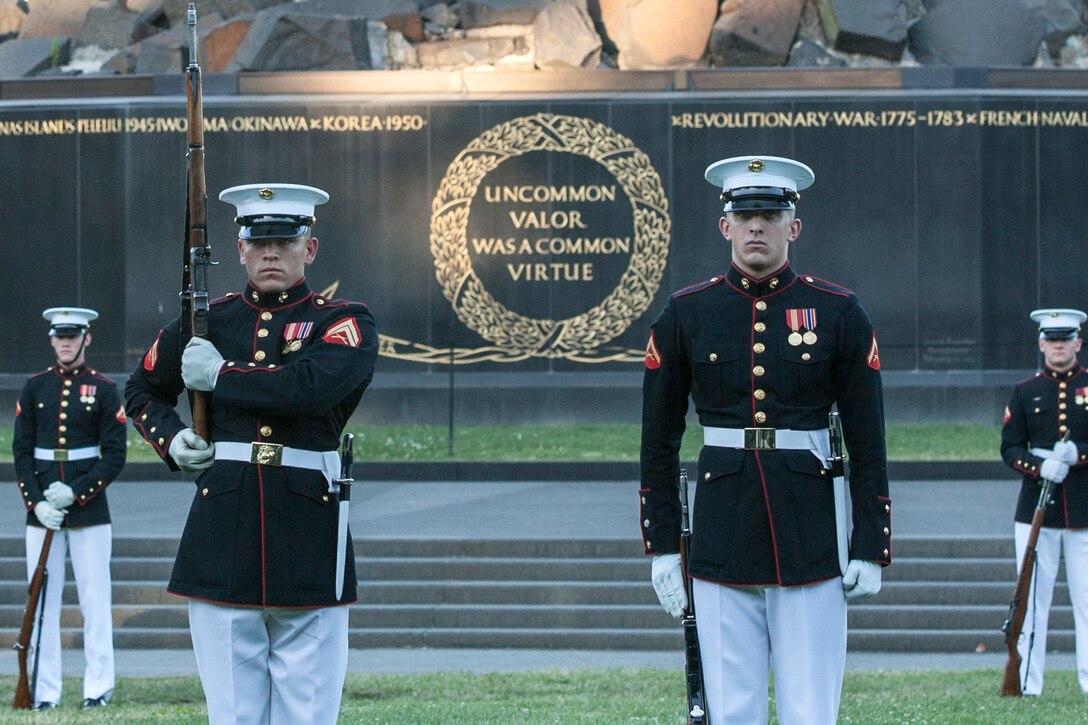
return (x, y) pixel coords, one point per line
(1066, 452)
(60, 495)
(668, 582)
(49, 515)
(191, 452)
(1053, 470)
(200, 364)
(862, 579)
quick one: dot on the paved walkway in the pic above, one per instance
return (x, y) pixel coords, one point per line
(545, 510)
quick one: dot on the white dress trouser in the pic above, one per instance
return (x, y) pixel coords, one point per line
(744, 632)
(270, 666)
(90, 549)
(1032, 643)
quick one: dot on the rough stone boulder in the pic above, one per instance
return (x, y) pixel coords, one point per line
(31, 56)
(1003, 32)
(176, 10)
(658, 33)
(221, 42)
(299, 36)
(166, 52)
(482, 13)
(54, 18)
(563, 36)
(11, 19)
(1063, 20)
(108, 27)
(472, 51)
(754, 32)
(871, 27)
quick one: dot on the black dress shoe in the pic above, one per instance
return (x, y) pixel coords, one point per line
(90, 702)
(40, 706)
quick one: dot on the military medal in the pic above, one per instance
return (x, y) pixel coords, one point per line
(1081, 396)
(793, 320)
(87, 392)
(809, 315)
(294, 333)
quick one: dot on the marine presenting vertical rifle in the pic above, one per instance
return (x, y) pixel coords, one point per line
(197, 254)
(693, 665)
(1018, 604)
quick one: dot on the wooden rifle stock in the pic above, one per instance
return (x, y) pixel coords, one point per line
(693, 663)
(197, 253)
(1014, 623)
(22, 700)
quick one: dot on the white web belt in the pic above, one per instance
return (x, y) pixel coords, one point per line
(67, 454)
(273, 454)
(770, 439)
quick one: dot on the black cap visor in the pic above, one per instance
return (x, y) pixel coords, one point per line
(67, 330)
(759, 198)
(1059, 333)
(265, 227)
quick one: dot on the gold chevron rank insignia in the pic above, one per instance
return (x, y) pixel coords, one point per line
(344, 332)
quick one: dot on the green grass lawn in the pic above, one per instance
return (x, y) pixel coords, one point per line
(595, 443)
(592, 697)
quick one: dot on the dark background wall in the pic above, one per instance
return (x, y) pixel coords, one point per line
(950, 219)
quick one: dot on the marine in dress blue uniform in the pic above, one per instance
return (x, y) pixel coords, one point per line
(1044, 409)
(69, 444)
(765, 353)
(286, 369)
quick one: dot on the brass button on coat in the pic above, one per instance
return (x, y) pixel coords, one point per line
(259, 355)
(266, 430)
(266, 315)
(713, 357)
(262, 332)
(757, 370)
(761, 305)
(761, 417)
(806, 357)
(759, 394)
(759, 347)
(760, 327)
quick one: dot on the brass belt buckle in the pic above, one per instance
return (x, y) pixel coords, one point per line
(266, 454)
(759, 439)
(60, 454)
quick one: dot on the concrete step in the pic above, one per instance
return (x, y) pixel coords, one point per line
(957, 593)
(142, 546)
(558, 593)
(944, 640)
(954, 569)
(503, 569)
(941, 595)
(959, 617)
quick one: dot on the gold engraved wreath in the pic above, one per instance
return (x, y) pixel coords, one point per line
(477, 308)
